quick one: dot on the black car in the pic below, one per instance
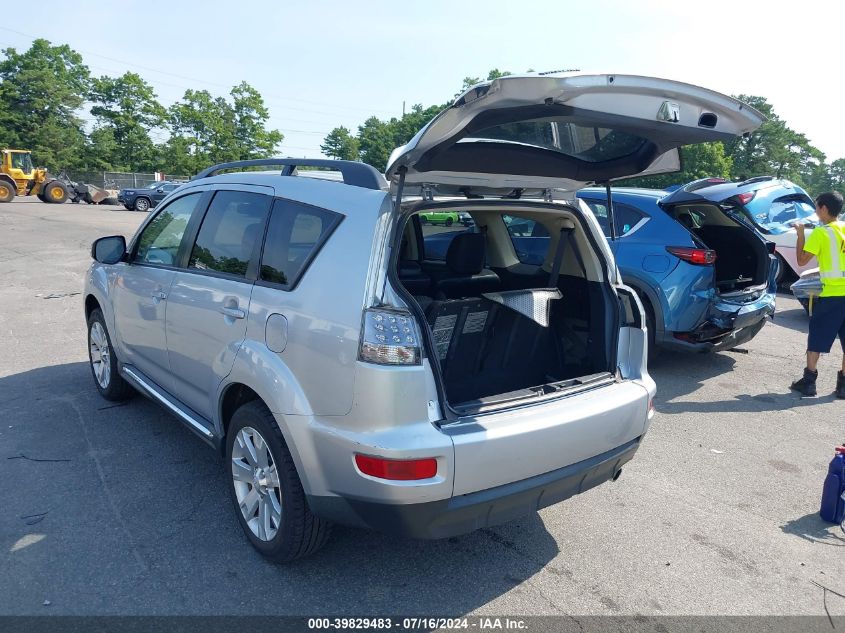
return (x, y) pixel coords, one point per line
(147, 197)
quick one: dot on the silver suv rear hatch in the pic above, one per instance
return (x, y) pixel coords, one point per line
(564, 132)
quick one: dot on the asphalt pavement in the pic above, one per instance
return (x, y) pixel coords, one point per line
(117, 509)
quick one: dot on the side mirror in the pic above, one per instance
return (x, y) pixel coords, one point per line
(160, 190)
(109, 250)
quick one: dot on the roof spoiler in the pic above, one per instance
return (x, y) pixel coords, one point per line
(354, 173)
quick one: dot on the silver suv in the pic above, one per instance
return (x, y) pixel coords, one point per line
(294, 322)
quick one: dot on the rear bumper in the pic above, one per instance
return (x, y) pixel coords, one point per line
(466, 513)
(728, 325)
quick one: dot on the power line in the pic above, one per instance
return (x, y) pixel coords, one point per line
(210, 83)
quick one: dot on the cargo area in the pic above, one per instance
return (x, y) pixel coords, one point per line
(503, 326)
(742, 260)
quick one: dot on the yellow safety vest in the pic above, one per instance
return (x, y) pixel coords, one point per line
(827, 243)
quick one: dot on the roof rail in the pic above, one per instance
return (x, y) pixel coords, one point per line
(354, 173)
(756, 179)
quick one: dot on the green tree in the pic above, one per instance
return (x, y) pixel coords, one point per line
(836, 174)
(252, 138)
(339, 143)
(773, 149)
(206, 130)
(127, 107)
(703, 160)
(375, 140)
(40, 92)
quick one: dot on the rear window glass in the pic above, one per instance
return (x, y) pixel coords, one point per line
(229, 232)
(530, 239)
(695, 216)
(782, 212)
(590, 144)
(294, 235)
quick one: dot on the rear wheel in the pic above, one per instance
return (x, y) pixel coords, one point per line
(55, 192)
(7, 193)
(269, 501)
(142, 204)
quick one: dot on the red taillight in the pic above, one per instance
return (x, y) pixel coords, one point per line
(397, 469)
(699, 256)
(745, 198)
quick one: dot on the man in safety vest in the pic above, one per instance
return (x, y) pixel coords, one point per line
(827, 244)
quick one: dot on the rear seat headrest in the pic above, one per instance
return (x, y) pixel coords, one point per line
(465, 255)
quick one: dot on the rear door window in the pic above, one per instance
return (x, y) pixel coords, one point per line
(230, 232)
(160, 241)
(295, 234)
(625, 216)
(530, 239)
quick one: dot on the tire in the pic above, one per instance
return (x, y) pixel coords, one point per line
(109, 201)
(142, 205)
(7, 191)
(449, 221)
(782, 267)
(297, 532)
(103, 361)
(55, 192)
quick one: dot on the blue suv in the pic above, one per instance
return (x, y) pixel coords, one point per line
(706, 278)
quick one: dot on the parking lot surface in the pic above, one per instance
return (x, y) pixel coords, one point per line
(117, 509)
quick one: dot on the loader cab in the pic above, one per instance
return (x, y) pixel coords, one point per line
(21, 160)
(17, 164)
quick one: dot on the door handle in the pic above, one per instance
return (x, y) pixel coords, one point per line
(235, 313)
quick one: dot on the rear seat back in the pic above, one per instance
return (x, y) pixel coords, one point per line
(466, 276)
(485, 348)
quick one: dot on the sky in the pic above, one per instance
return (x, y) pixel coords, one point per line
(321, 64)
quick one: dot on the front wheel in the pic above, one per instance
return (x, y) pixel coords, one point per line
(55, 192)
(104, 365)
(142, 204)
(781, 274)
(269, 501)
(449, 221)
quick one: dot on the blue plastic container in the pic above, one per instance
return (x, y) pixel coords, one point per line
(833, 504)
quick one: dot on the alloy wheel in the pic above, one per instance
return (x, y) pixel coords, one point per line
(256, 482)
(98, 343)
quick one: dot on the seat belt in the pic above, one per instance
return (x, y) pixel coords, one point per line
(554, 274)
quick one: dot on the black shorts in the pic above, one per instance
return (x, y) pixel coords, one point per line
(827, 320)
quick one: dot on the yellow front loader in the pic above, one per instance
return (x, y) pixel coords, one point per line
(19, 177)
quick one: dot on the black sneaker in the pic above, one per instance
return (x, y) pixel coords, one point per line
(840, 385)
(806, 386)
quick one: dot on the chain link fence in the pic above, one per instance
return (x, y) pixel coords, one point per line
(119, 179)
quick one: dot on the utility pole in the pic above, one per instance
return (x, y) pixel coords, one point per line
(403, 109)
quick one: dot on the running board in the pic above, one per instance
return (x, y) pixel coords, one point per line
(190, 418)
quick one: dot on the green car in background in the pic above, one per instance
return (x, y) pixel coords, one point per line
(446, 217)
